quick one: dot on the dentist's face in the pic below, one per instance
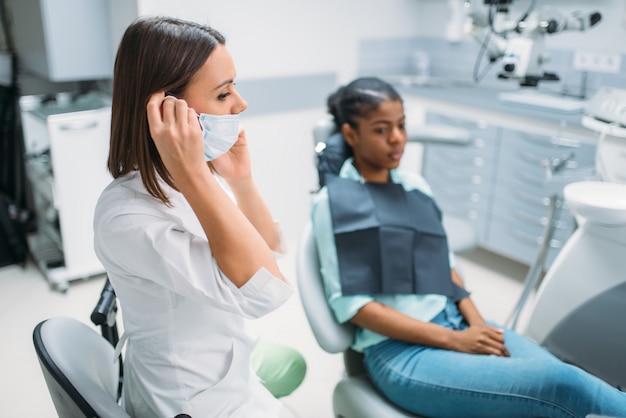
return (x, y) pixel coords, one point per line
(378, 141)
(212, 89)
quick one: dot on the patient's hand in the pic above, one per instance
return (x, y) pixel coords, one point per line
(481, 339)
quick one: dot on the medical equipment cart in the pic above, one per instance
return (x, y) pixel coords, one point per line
(66, 141)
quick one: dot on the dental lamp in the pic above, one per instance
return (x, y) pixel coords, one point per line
(519, 43)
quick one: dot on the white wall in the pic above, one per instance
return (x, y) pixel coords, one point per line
(277, 38)
(289, 37)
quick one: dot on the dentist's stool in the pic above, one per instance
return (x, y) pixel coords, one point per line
(353, 396)
(79, 368)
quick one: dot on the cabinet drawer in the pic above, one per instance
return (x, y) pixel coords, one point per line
(478, 128)
(523, 246)
(534, 204)
(476, 217)
(527, 151)
(535, 226)
(463, 211)
(458, 158)
(465, 195)
(462, 177)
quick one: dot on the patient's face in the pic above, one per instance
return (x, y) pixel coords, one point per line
(379, 140)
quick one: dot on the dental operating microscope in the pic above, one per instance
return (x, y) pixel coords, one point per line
(519, 43)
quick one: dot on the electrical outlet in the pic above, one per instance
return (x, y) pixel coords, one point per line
(597, 61)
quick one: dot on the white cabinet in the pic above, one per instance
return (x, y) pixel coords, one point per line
(498, 181)
(522, 191)
(63, 40)
(461, 175)
(67, 146)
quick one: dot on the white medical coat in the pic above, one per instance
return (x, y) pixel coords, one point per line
(188, 348)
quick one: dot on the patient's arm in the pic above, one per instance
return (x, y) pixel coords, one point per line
(466, 306)
(384, 320)
(387, 321)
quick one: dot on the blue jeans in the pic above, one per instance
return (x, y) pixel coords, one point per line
(531, 383)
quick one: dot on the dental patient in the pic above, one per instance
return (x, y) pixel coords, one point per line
(387, 269)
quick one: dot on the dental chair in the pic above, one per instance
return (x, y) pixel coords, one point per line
(354, 396)
(79, 369)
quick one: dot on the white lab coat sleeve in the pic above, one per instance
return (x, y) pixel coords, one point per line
(146, 245)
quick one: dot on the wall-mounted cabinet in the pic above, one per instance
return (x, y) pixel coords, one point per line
(63, 40)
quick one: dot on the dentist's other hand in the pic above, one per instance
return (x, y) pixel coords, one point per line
(235, 164)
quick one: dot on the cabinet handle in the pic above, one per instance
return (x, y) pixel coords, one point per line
(549, 142)
(533, 200)
(541, 220)
(90, 124)
(565, 142)
(534, 240)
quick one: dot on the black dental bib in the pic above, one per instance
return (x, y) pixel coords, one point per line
(389, 241)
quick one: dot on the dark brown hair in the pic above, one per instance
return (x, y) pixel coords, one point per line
(155, 53)
(358, 98)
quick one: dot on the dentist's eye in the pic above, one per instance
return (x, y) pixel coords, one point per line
(223, 96)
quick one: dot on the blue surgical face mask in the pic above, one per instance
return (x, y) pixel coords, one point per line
(220, 132)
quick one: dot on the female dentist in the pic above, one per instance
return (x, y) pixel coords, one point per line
(188, 264)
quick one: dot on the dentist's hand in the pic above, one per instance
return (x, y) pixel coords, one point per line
(235, 164)
(177, 135)
(481, 339)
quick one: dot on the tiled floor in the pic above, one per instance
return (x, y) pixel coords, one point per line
(25, 300)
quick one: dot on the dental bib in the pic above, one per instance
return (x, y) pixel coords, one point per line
(389, 241)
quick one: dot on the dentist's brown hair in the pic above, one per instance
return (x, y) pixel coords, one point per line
(155, 54)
